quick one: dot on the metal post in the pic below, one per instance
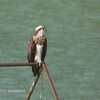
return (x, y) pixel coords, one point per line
(33, 84)
(36, 78)
(50, 82)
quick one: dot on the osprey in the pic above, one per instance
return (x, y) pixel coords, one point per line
(37, 47)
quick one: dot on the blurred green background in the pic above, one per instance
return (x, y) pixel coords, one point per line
(73, 47)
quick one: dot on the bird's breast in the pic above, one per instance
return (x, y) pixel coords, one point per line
(39, 39)
(38, 55)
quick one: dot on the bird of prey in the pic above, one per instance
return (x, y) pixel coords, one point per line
(37, 47)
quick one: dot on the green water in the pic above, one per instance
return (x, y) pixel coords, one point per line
(73, 47)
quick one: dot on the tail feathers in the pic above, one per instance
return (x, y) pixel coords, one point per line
(35, 70)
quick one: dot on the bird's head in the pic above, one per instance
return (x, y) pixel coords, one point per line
(40, 30)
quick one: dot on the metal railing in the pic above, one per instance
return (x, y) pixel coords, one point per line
(43, 67)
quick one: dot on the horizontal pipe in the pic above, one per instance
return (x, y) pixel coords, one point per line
(16, 64)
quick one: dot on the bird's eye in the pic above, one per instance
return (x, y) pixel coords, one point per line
(39, 29)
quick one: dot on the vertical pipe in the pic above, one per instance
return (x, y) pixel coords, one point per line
(33, 85)
(50, 82)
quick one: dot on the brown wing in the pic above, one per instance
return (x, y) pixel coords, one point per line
(31, 50)
(44, 50)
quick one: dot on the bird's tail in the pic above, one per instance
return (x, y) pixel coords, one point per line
(35, 69)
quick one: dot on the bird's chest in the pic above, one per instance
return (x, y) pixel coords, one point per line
(39, 39)
(38, 54)
(39, 48)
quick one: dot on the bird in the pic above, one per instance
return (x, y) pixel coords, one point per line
(37, 48)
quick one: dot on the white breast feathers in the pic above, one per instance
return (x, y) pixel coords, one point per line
(38, 55)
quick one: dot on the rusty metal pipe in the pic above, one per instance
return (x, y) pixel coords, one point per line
(50, 82)
(33, 84)
(16, 64)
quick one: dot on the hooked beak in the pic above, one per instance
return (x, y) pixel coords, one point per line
(45, 29)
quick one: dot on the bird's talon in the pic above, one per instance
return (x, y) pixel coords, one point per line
(40, 63)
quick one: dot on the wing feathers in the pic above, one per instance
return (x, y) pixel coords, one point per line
(31, 50)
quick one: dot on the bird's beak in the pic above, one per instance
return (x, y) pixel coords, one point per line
(45, 29)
